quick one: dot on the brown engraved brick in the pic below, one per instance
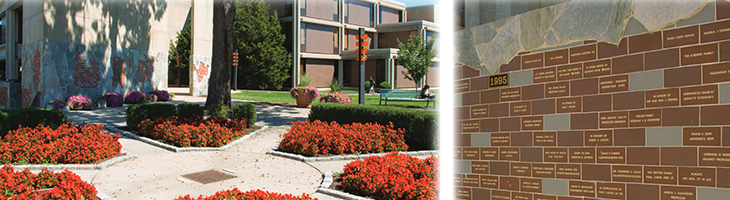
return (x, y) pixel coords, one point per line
(681, 116)
(568, 72)
(716, 73)
(498, 110)
(610, 190)
(480, 111)
(544, 197)
(723, 182)
(724, 52)
(543, 170)
(583, 53)
(701, 136)
(644, 118)
(520, 169)
(479, 83)
(521, 139)
(567, 171)
(582, 155)
(544, 138)
(714, 156)
(457, 153)
(530, 92)
(645, 42)
(597, 103)
(606, 50)
(521, 196)
(596, 172)
(500, 139)
(720, 8)
(469, 98)
(555, 155)
(629, 137)
(457, 71)
(568, 105)
(470, 180)
(532, 61)
(509, 94)
(531, 185)
(662, 97)
(714, 115)
(462, 193)
(558, 89)
(714, 31)
(570, 138)
(569, 198)
(681, 36)
(509, 183)
(468, 72)
(488, 125)
(509, 153)
(489, 153)
(488, 181)
(519, 108)
(480, 167)
(489, 96)
(616, 119)
(613, 155)
(610, 84)
(584, 121)
(697, 176)
(674, 192)
(513, 65)
(556, 57)
(470, 153)
(501, 195)
(597, 68)
(480, 193)
(725, 136)
(680, 156)
(623, 173)
(642, 155)
(699, 95)
(660, 175)
(462, 86)
(683, 76)
(584, 87)
(462, 113)
(462, 140)
(499, 168)
(531, 154)
(598, 138)
(470, 126)
(661, 59)
(543, 75)
(544, 106)
(627, 64)
(582, 188)
(699, 54)
(642, 192)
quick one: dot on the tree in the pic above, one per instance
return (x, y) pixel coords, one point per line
(219, 84)
(416, 57)
(181, 46)
(264, 63)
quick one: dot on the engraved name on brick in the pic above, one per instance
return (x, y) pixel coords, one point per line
(701, 136)
(661, 98)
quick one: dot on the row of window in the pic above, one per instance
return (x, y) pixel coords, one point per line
(354, 11)
(316, 38)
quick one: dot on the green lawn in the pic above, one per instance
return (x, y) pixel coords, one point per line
(285, 98)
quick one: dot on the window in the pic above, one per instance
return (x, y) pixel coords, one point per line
(303, 37)
(388, 15)
(359, 13)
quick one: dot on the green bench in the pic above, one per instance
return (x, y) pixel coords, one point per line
(403, 95)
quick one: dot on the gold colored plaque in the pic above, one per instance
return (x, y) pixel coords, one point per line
(498, 80)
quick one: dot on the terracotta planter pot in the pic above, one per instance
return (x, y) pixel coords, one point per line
(304, 100)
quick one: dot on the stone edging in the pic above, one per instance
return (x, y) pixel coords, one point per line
(274, 152)
(101, 165)
(181, 149)
(327, 181)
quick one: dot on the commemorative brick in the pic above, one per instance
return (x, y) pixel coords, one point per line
(683, 76)
(543, 170)
(555, 155)
(660, 175)
(480, 167)
(642, 155)
(500, 139)
(610, 190)
(616, 119)
(714, 156)
(544, 138)
(696, 176)
(699, 54)
(531, 185)
(582, 188)
(583, 53)
(624, 173)
(582, 155)
(681, 36)
(568, 105)
(701, 136)
(544, 75)
(532, 61)
(520, 169)
(662, 97)
(509, 183)
(498, 110)
(567, 171)
(596, 172)
(509, 153)
(556, 57)
(489, 153)
(571, 71)
(489, 181)
(613, 155)
(674, 192)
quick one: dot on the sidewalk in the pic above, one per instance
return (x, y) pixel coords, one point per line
(156, 173)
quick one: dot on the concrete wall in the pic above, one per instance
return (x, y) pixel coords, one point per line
(425, 13)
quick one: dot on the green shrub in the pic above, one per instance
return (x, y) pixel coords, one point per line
(420, 125)
(385, 85)
(137, 113)
(218, 110)
(188, 110)
(305, 80)
(334, 86)
(246, 111)
(29, 117)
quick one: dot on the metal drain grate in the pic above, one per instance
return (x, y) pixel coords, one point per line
(209, 176)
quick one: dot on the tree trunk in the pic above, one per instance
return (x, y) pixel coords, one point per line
(219, 84)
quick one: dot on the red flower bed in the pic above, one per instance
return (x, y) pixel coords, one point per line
(212, 132)
(235, 194)
(320, 138)
(26, 185)
(68, 144)
(393, 176)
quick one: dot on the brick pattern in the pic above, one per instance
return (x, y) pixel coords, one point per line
(3, 97)
(86, 76)
(37, 69)
(118, 76)
(144, 70)
(611, 141)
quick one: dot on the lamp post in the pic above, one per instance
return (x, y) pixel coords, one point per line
(235, 70)
(362, 45)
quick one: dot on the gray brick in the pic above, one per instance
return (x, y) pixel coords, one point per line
(633, 27)
(706, 14)
(557, 122)
(462, 166)
(483, 71)
(647, 80)
(457, 100)
(664, 136)
(555, 186)
(481, 140)
(518, 78)
(723, 91)
(704, 193)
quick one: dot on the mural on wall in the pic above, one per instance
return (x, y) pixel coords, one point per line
(145, 68)
(201, 71)
(86, 77)
(199, 74)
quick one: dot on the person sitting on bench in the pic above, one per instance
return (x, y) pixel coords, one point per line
(426, 92)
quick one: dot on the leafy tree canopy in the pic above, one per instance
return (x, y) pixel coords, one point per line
(416, 57)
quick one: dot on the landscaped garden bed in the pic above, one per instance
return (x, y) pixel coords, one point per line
(44, 185)
(235, 194)
(322, 139)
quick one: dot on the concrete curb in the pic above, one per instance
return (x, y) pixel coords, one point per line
(99, 166)
(327, 181)
(182, 149)
(298, 157)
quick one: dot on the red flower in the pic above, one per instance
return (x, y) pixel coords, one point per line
(320, 138)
